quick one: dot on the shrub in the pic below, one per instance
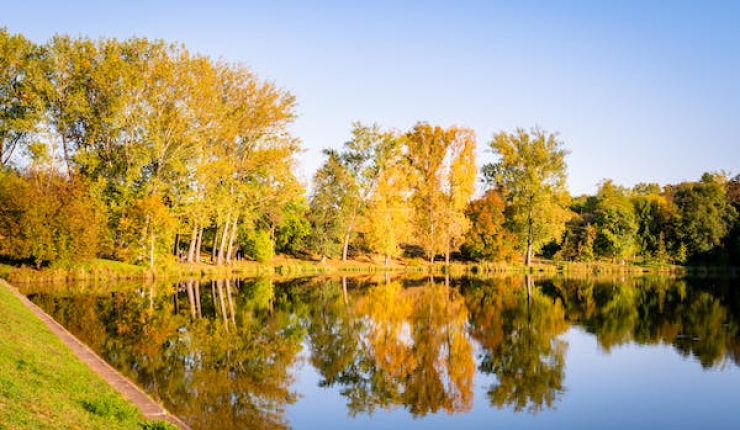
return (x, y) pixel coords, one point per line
(111, 406)
(258, 245)
(158, 425)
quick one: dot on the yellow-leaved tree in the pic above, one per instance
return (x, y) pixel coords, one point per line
(442, 176)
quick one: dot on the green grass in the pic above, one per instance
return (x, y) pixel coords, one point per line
(44, 386)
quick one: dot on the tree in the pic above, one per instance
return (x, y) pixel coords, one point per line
(531, 175)
(386, 220)
(366, 157)
(442, 175)
(22, 87)
(334, 192)
(44, 217)
(704, 214)
(616, 224)
(487, 238)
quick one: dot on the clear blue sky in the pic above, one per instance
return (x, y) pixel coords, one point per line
(638, 90)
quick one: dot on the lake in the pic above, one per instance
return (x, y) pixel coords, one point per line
(369, 353)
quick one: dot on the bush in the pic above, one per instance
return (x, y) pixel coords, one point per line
(159, 425)
(258, 245)
(111, 406)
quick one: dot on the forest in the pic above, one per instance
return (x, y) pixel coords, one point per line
(139, 151)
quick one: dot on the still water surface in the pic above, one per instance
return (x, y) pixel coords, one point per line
(362, 353)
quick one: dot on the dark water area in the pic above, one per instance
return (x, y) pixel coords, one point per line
(363, 353)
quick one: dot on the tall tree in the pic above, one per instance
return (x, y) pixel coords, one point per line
(531, 175)
(442, 173)
(22, 87)
(704, 212)
(334, 192)
(366, 157)
(386, 224)
(616, 223)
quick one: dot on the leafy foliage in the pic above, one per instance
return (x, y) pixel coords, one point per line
(530, 175)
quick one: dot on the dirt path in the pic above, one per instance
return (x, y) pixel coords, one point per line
(128, 389)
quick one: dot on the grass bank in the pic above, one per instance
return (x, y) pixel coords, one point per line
(44, 386)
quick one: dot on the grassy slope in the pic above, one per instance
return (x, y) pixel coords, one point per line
(44, 386)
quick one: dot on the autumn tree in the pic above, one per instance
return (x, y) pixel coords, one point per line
(487, 238)
(442, 175)
(530, 174)
(387, 217)
(44, 217)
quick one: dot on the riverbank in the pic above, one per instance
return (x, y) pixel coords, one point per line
(100, 269)
(43, 385)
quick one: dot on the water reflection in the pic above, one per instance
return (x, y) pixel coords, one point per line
(517, 327)
(699, 321)
(394, 346)
(224, 354)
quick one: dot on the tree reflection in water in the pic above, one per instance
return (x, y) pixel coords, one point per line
(517, 327)
(218, 362)
(393, 346)
(222, 354)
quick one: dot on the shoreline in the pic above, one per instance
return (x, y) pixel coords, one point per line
(102, 270)
(95, 364)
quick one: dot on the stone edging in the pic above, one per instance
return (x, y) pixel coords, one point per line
(148, 407)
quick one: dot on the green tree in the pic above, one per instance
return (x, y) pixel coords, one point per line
(616, 224)
(531, 175)
(334, 192)
(704, 214)
(365, 157)
(22, 91)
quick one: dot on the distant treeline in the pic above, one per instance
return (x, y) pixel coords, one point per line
(139, 151)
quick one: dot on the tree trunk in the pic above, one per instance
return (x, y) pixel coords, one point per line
(346, 245)
(349, 231)
(220, 286)
(224, 235)
(231, 302)
(530, 227)
(214, 248)
(213, 298)
(176, 299)
(151, 252)
(118, 241)
(387, 260)
(198, 305)
(198, 245)
(176, 250)
(191, 299)
(344, 290)
(193, 240)
(230, 250)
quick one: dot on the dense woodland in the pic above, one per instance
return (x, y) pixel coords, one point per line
(140, 151)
